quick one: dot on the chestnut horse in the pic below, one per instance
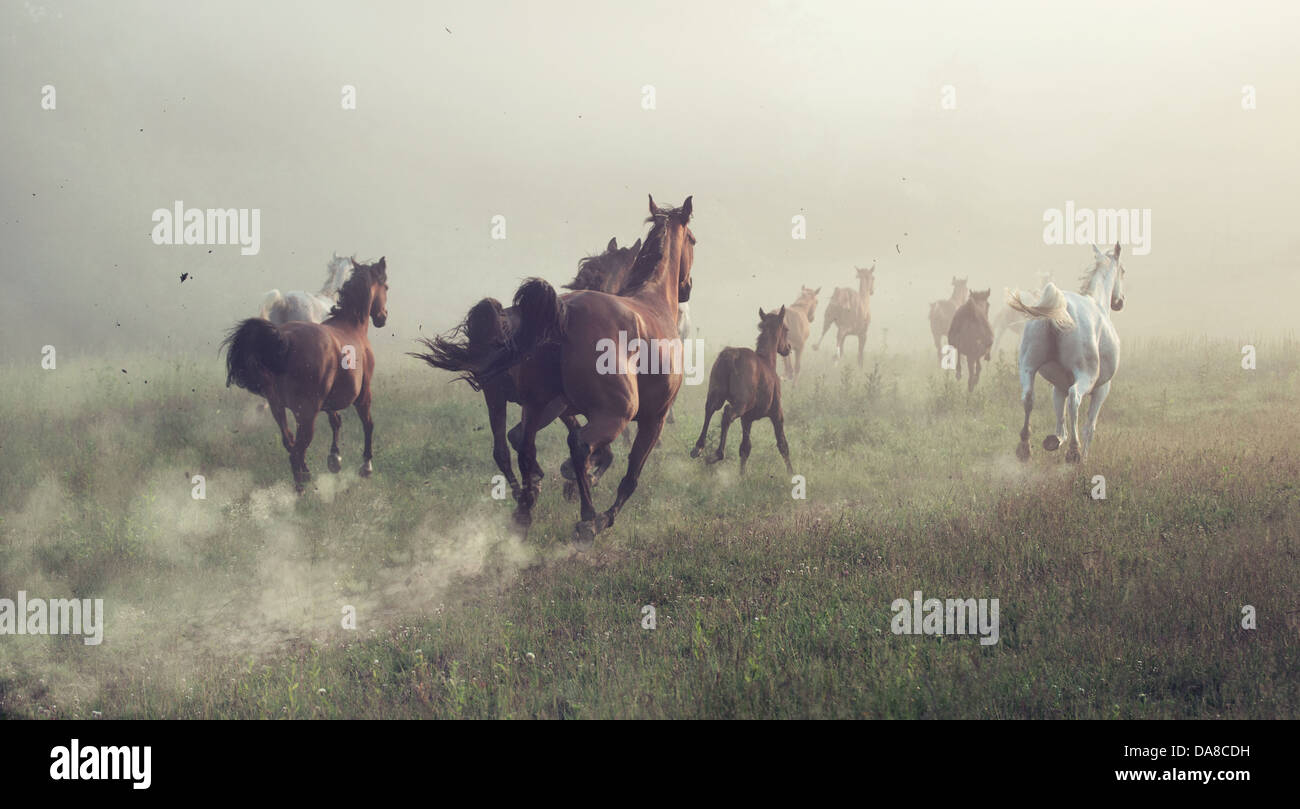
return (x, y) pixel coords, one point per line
(798, 316)
(850, 312)
(747, 382)
(308, 367)
(489, 326)
(585, 326)
(941, 313)
(972, 336)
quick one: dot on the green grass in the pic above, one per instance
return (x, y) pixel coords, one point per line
(767, 606)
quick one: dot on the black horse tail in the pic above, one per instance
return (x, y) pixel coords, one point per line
(255, 351)
(541, 319)
(465, 348)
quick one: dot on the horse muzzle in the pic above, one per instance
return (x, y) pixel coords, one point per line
(683, 293)
(1117, 304)
(379, 320)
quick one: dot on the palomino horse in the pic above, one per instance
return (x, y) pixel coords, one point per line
(850, 312)
(1070, 341)
(1009, 320)
(798, 316)
(746, 381)
(972, 336)
(312, 307)
(309, 367)
(610, 391)
(941, 313)
(489, 326)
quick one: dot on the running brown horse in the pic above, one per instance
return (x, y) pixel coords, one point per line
(850, 312)
(610, 388)
(941, 313)
(489, 326)
(972, 335)
(746, 382)
(798, 316)
(308, 367)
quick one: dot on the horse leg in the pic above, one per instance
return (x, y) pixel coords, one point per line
(788, 367)
(826, 326)
(1053, 442)
(598, 433)
(647, 435)
(277, 412)
(862, 346)
(958, 366)
(839, 343)
(306, 418)
(496, 405)
(335, 462)
(362, 405)
(1073, 398)
(1094, 408)
(745, 444)
(711, 405)
(971, 373)
(778, 427)
(798, 364)
(728, 415)
(1027, 399)
(671, 418)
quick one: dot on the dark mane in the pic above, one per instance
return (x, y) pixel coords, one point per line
(647, 261)
(354, 295)
(606, 272)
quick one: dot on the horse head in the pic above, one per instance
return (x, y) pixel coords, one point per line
(772, 329)
(678, 222)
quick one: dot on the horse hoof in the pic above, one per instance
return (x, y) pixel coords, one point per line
(1022, 451)
(584, 534)
(570, 490)
(1072, 456)
(523, 517)
(695, 452)
(366, 469)
(1051, 443)
(335, 463)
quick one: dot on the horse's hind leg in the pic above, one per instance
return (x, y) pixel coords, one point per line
(335, 462)
(745, 444)
(1094, 408)
(598, 433)
(281, 419)
(1073, 398)
(306, 418)
(711, 406)
(496, 405)
(728, 415)
(778, 427)
(1027, 399)
(1053, 442)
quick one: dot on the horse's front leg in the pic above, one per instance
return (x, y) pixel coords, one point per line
(647, 435)
(335, 462)
(495, 400)
(595, 435)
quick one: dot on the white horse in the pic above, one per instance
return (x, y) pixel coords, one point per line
(1070, 340)
(312, 307)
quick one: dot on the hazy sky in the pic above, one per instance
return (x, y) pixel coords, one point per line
(533, 111)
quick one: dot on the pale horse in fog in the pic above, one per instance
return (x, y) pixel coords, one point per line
(312, 307)
(1070, 340)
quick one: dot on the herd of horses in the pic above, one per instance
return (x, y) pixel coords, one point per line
(310, 352)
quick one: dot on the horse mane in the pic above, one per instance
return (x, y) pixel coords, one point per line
(601, 272)
(336, 269)
(1085, 280)
(646, 267)
(354, 295)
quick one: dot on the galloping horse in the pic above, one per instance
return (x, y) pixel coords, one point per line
(312, 307)
(489, 326)
(1070, 341)
(972, 336)
(585, 326)
(798, 316)
(941, 313)
(308, 367)
(746, 381)
(850, 312)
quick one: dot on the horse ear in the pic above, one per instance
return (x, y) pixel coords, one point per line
(1096, 252)
(817, 291)
(781, 314)
(355, 265)
(637, 244)
(654, 209)
(1117, 251)
(761, 313)
(686, 209)
(613, 244)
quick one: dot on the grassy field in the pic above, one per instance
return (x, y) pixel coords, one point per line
(767, 606)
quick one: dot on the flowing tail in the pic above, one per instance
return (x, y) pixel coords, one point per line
(465, 349)
(1051, 306)
(255, 352)
(541, 318)
(269, 300)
